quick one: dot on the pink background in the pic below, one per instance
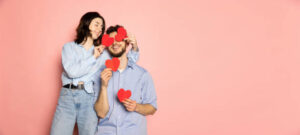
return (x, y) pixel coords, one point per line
(221, 67)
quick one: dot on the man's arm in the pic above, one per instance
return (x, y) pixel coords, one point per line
(101, 105)
(148, 105)
(144, 109)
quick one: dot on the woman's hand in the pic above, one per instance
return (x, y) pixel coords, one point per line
(98, 50)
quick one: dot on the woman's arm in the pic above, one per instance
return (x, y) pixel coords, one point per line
(74, 66)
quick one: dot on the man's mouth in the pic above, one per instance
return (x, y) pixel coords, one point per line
(115, 47)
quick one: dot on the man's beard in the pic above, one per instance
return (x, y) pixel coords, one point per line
(117, 54)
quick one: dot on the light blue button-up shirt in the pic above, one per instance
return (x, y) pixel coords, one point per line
(79, 64)
(118, 120)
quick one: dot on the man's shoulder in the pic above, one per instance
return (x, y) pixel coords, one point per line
(140, 69)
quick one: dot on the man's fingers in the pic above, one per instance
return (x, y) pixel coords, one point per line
(105, 76)
(106, 73)
(129, 100)
(126, 103)
(108, 69)
(129, 109)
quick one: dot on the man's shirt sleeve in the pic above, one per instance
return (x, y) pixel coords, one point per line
(148, 91)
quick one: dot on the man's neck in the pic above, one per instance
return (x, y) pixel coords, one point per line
(123, 62)
(88, 43)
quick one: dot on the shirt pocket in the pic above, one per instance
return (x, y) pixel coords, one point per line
(136, 94)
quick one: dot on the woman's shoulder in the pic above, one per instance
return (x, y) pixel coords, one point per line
(70, 45)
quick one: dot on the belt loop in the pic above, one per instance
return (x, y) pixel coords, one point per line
(65, 91)
(70, 85)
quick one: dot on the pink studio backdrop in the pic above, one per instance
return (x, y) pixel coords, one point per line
(220, 67)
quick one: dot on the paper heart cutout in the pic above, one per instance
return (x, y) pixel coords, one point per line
(106, 40)
(121, 34)
(114, 63)
(122, 31)
(119, 37)
(122, 94)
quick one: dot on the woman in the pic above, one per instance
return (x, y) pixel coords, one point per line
(81, 59)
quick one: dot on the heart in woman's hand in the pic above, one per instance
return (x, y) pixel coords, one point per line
(106, 40)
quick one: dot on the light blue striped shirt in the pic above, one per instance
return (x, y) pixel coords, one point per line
(118, 120)
(79, 64)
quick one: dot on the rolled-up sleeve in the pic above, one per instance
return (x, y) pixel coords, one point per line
(133, 56)
(148, 91)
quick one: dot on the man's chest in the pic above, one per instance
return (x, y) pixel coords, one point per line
(127, 82)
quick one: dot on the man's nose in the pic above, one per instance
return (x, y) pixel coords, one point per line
(116, 43)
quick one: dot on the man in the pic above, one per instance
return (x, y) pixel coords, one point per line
(126, 117)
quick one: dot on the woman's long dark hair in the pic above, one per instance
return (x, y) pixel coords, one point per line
(83, 30)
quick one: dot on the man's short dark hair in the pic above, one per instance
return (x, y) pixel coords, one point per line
(113, 29)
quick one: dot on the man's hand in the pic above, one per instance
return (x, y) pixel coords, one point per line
(105, 77)
(130, 105)
(131, 40)
(144, 109)
(98, 50)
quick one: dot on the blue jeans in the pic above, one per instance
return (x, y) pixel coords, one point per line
(75, 106)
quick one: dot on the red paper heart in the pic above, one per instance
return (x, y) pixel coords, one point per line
(107, 41)
(114, 63)
(122, 94)
(122, 31)
(121, 34)
(119, 37)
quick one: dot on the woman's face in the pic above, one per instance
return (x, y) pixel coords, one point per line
(96, 27)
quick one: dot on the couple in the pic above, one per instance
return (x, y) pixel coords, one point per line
(88, 96)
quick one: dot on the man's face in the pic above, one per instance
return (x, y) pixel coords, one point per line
(117, 49)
